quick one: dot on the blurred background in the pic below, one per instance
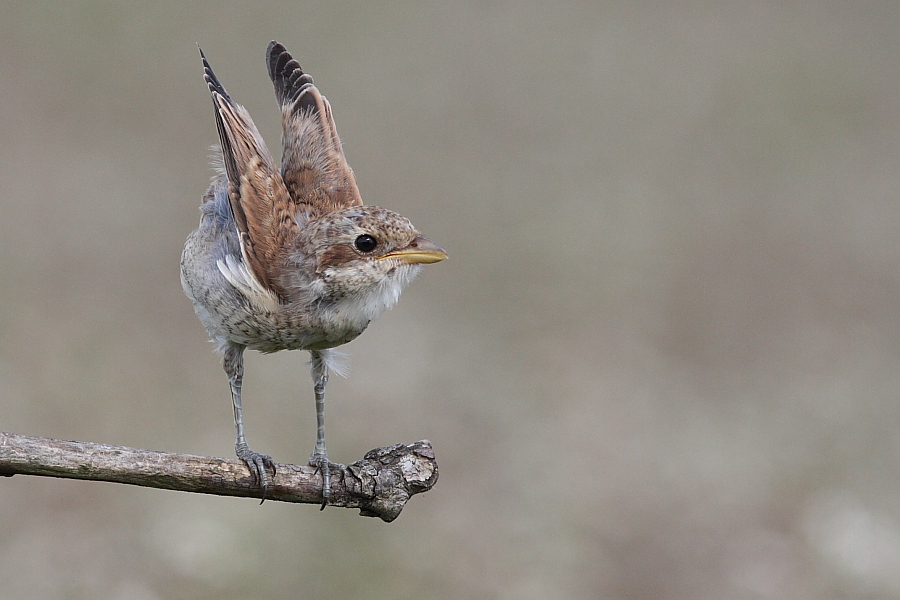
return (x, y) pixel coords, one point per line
(662, 362)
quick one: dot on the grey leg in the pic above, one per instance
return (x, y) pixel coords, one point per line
(319, 457)
(233, 363)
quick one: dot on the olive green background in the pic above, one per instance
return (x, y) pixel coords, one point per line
(662, 362)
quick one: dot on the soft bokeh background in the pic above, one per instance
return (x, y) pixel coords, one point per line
(663, 360)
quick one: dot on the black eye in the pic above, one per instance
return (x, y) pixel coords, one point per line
(365, 243)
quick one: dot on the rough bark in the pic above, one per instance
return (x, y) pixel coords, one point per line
(378, 485)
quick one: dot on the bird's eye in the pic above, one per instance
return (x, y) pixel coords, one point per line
(365, 243)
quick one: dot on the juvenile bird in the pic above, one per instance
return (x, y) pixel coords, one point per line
(291, 259)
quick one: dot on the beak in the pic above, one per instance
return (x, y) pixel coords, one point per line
(420, 251)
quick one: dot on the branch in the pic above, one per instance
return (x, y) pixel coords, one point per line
(379, 484)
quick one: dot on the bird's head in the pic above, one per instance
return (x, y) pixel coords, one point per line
(366, 253)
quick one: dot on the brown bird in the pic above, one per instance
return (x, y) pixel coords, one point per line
(291, 259)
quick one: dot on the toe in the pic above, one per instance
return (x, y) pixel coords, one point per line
(259, 466)
(269, 463)
(254, 468)
(323, 466)
(259, 469)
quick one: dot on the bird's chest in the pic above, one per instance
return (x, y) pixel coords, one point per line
(340, 322)
(294, 328)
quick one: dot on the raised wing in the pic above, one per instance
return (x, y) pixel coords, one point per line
(262, 207)
(313, 165)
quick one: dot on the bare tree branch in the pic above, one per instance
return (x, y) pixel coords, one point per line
(379, 484)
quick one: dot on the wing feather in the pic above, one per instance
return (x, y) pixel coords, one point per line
(313, 167)
(262, 207)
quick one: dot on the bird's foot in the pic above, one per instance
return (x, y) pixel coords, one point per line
(259, 464)
(323, 465)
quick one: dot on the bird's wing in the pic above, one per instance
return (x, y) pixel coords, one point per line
(313, 166)
(262, 207)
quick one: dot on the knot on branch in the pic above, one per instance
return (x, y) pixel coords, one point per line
(387, 477)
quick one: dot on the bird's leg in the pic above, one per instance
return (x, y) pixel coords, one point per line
(319, 457)
(233, 362)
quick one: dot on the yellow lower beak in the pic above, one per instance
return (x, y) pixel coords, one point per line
(421, 251)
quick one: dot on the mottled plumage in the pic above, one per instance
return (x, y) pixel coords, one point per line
(291, 259)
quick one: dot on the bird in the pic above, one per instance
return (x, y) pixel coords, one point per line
(290, 258)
